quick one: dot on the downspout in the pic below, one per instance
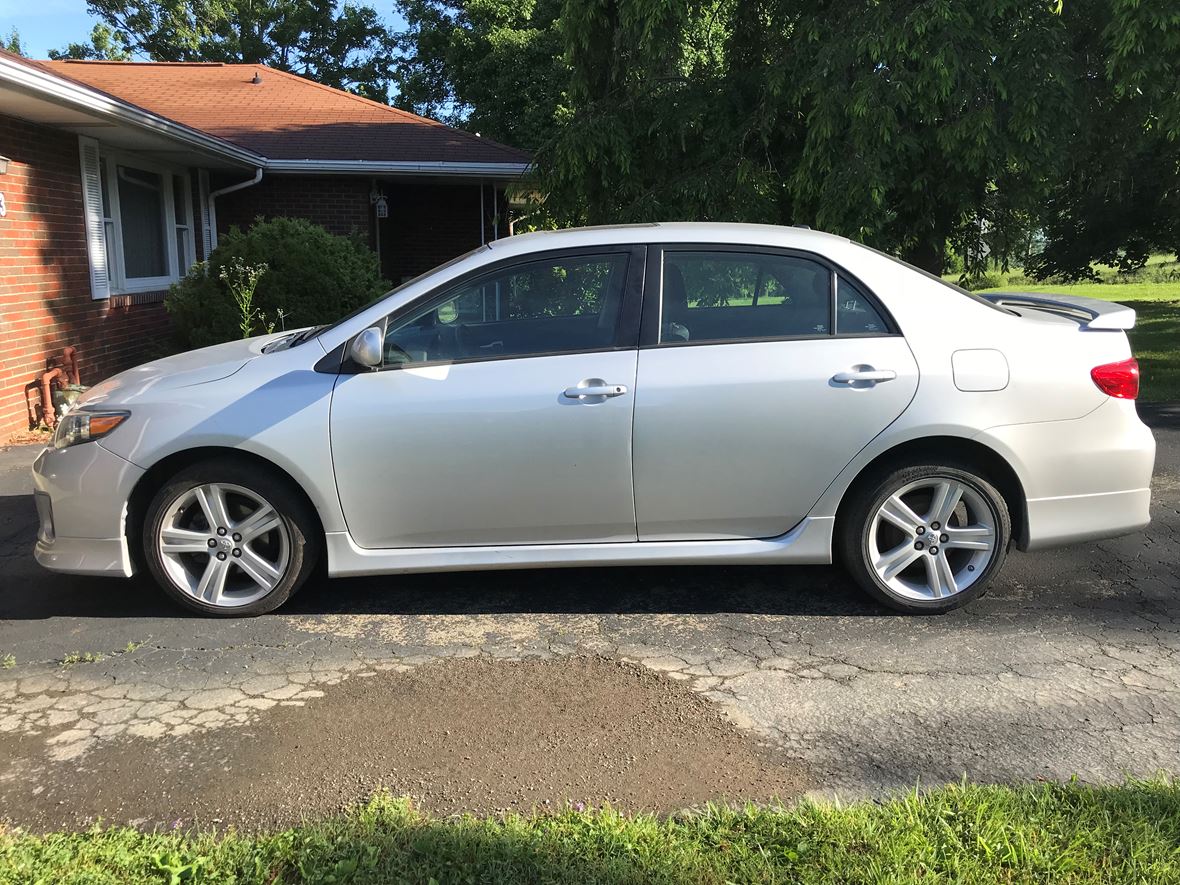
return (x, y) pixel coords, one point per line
(213, 195)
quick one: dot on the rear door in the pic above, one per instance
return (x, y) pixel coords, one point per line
(761, 374)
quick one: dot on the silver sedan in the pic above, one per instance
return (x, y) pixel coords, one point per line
(673, 393)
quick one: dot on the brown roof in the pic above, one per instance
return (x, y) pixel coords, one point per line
(284, 117)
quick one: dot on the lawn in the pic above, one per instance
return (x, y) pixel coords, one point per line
(967, 834)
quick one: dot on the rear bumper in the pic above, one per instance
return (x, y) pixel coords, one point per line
(81, 494)
(1083, 479)
(1053, 522)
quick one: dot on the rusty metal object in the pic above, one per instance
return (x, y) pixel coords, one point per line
(68, 382)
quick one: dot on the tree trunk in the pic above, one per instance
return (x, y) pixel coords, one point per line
(929, 254)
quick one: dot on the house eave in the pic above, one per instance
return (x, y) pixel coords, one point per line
(504, 171)
(67, 93)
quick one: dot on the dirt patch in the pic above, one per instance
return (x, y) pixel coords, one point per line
(470, 735)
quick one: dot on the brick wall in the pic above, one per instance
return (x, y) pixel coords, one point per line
(45, 301)
(432, 223)
(338, 203)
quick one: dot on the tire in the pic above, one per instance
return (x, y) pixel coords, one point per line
(230, 573)
(895, 565)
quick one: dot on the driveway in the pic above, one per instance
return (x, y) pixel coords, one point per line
(651, 688)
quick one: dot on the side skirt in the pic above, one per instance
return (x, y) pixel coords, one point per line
(809, 543)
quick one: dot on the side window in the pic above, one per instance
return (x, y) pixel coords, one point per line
(553, 305)
(720, 296)
(855, 314)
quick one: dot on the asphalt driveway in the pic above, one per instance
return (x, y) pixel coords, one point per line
(652, 688)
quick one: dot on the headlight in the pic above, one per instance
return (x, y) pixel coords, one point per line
(80, 425)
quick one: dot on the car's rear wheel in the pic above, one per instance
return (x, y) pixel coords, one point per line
(230, 539)
(926, 538)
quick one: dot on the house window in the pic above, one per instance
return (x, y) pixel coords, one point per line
(147, 223)
(182, 222)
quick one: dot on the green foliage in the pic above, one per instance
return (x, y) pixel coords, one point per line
(242, 280)
(491, 66)
(104, 45)
(10, 42)
(346, 46)
(915, 127)
(1068, 834)
(312, 277)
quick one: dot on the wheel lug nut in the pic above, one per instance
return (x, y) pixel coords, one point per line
(220, 530)
(237, 552)
(221, 556)
(944, 538)
(212, 543)
(919, 545)
(237, 537)
(921, 530)
(933, 551)
(935, 526)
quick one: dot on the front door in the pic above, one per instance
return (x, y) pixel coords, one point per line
(502, 413)
(762, 375)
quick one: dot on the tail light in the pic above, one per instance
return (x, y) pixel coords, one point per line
(1119, 379)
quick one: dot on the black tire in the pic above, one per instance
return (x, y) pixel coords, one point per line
(853, 533)
(305, 538)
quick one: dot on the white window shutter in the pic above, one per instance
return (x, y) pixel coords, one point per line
(206, 222)
(96, 241)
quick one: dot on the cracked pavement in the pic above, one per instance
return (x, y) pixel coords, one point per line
(1067, 667)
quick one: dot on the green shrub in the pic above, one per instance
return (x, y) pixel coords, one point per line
(311, 277)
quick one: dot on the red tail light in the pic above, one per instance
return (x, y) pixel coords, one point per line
(1119, 379)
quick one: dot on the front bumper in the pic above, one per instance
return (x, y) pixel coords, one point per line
(82, 495)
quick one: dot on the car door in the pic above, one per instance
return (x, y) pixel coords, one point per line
(502, 413)
(761, 374)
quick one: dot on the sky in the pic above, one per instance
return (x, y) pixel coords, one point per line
(51, 24)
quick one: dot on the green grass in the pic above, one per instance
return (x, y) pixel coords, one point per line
(1044, 833)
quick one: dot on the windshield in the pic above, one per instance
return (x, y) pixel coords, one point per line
(320, 330)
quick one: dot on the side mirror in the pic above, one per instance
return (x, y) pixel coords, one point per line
(366, 347)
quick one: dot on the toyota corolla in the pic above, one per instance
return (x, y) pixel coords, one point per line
(636, 395)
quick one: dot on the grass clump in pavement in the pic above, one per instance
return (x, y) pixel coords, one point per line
(962, 834)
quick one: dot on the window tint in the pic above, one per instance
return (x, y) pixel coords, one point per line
(549, 306)
(855, 314)
(718, 296)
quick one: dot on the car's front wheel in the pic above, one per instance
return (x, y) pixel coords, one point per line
(227, 538)
(925, 538)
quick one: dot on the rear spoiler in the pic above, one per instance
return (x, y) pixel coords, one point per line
(1090, 312)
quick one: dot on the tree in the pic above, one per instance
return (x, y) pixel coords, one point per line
(104, 45)
(11, 42)
(346, 47)
(913, 125)
(491, 66)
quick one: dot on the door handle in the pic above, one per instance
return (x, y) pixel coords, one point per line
(864, 375)
(595, 390)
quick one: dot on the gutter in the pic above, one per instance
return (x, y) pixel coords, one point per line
(397, 167)
(72, 94)
(213, 195)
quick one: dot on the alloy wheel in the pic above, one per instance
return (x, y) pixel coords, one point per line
(932, 538)
(224, 545)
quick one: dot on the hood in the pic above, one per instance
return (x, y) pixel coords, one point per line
(182, 370)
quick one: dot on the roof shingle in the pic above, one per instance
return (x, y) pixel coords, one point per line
(283, 117)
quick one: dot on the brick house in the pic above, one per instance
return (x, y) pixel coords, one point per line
(116, 176)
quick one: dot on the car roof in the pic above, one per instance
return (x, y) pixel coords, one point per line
(669, 232)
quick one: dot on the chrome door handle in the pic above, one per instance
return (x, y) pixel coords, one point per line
(864, 375)
(595, 390)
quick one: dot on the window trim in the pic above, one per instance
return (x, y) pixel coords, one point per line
(626, 335)
(653, 296)
(120, 284)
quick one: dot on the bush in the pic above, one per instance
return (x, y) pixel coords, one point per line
(312, 276)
